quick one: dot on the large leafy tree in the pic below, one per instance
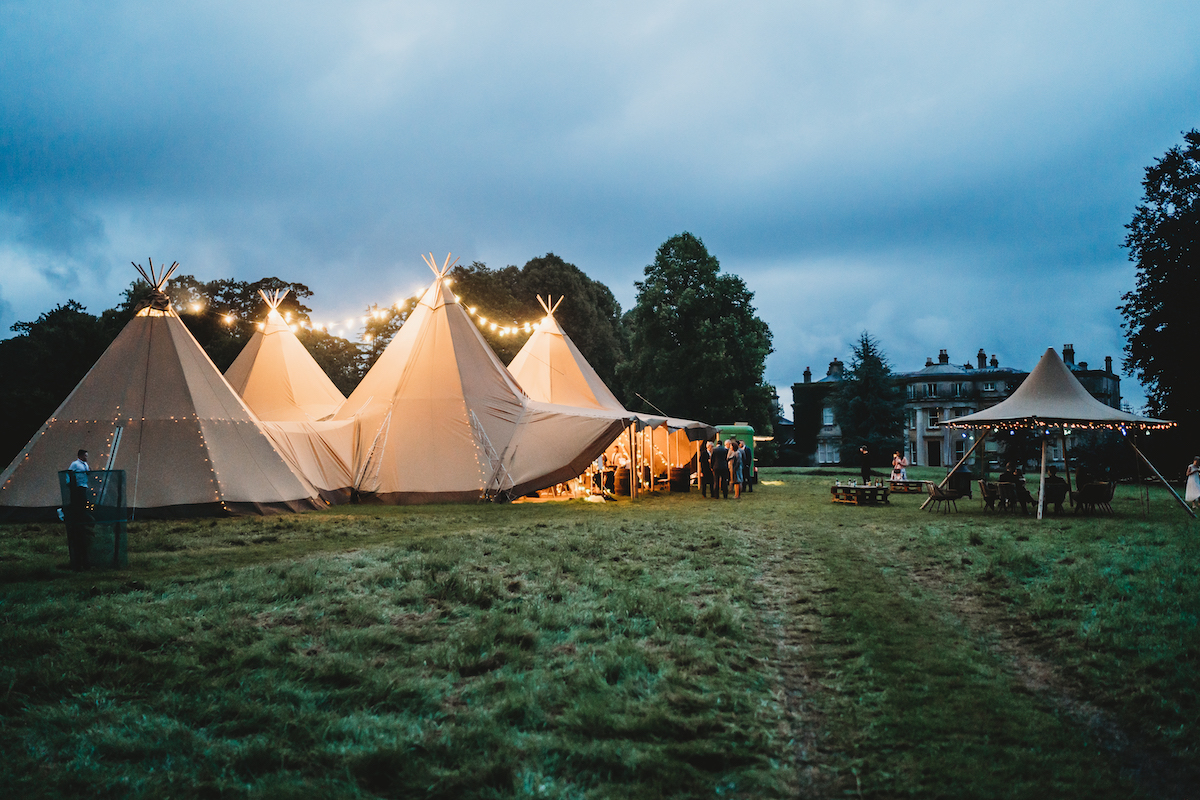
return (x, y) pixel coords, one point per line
(42, 364)
(1162, 325)
(697, 349)
(868, 404)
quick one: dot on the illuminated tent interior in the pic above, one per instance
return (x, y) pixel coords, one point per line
(155, 406)
(1050, 399)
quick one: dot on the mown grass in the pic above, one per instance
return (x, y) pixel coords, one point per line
(579, 650)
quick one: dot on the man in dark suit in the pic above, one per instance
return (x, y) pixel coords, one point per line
(720, 468)
(864, 463)
(706, 472)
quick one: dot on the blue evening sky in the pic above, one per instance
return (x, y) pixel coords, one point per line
(944, 175)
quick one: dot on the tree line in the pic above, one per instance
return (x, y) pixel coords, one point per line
(692, 344)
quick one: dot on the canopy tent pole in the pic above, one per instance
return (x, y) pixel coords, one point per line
(1042, 484)
(1170, 488)
(979, 441)
(1067, 465)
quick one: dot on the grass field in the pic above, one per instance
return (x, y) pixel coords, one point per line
(775, 646)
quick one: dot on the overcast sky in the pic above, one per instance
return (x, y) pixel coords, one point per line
(943, 175)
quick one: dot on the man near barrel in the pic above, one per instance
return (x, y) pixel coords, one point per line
(76, 515)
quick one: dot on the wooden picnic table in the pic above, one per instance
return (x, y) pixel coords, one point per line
(907, 487)
(859, 495)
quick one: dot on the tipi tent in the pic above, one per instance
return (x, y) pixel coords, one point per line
(294, 400)
(277, 377)
(551, 369)
(155, 406)
(440, 419)
(1051, 397)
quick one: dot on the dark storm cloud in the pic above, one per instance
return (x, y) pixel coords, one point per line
(978, 162)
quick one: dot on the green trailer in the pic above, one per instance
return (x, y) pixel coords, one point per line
(744, 434)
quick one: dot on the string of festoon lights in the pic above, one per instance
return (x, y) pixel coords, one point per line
(483, 321)
(349, 327)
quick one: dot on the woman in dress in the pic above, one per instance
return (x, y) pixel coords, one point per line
(1192, 491)
(899, 465)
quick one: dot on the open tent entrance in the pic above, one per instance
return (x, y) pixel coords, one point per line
(1051, 400)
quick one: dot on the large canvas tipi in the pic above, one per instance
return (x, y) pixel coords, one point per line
(441, 419)
(277, 377)
(155, 406)
(551, 369)
(295, 400)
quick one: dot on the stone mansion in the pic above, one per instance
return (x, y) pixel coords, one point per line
(939, 391)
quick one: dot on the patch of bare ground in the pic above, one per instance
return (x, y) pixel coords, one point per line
(786, 580)
(1155, 770)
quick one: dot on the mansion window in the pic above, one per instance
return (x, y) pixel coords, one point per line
(934, 415)
(931, 390)
(990, 386)
(827, 416)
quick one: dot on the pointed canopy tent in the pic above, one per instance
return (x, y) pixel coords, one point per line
(1052, 397)
(440, 419)
(277, 377)
(155, 406)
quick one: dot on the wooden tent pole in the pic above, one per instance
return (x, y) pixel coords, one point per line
(1067, 465)
(1170, 488)
(1042, 484)
(979, 441)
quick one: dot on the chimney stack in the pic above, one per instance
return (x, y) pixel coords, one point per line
(1083, 365)
(995, 363)
(1069, 354)
(943, 358)
(835, 369)
(808, 374)
(928, 361)
(981, 358)
(1108, 364)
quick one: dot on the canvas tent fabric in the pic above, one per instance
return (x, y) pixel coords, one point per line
(1052, 395)
(294, 400)
(187, 442)
(551, 369)
(277, 377)
(440, 419)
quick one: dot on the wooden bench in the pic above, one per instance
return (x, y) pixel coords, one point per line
(859, 495)
(907, 487)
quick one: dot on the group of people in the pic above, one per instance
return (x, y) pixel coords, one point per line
(723, 464)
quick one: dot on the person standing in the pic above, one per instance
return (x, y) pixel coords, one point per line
(747, 468)
(1192, 489)
(864, 463)
(735, 467)
(720, 468)
(706, 470)
(76, 515)
(899, 467)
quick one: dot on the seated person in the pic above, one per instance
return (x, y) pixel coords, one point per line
(1056, 489)
(1012, 488)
